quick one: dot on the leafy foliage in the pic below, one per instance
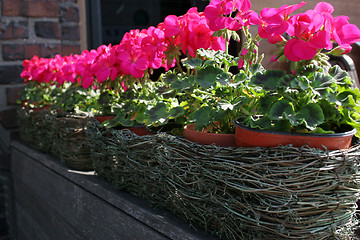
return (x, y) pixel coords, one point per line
(208, 94)
(315, 99)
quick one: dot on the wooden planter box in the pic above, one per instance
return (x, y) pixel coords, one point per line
(53, 202)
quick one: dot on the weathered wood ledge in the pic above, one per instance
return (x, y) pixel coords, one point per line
(54, 202)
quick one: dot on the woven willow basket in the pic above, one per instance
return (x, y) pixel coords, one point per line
(235, 193)
(37, 128)
(60, 134)
(71, 142)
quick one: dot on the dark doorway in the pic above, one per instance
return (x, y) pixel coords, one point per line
(109, 20)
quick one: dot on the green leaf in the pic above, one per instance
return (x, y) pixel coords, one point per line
(330, 111)
(225, 105)
(256, 68)
(262, 123)
(158, 113)
(181, 84)
(293, 119)
(202, 117)
(312, 115)
(270, 80)
(208, 53)
(177, 111)
(193, 63)
(352, 119)
(319, 130)
(121, 119)
(207, 76)
(321, 81)
(140, 116)
(240, 77)
(282, 125)
(209, 63)
(279, 108)
(223, 78)
(169, 78)
(339, 75)
(300, 82)
(265, 103)
(349, 97)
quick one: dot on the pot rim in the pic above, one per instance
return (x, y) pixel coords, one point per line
(327, 135)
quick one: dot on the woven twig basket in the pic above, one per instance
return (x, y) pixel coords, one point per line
(60, 134)
(37, 128)
(71, 143)
(236, 193)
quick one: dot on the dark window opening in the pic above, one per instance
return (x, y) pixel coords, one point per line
(109, 20)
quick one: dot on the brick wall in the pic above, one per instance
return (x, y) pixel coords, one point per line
(36, 27)
(27, 28)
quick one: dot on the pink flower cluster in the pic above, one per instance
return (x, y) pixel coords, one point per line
(138, 52)
(189, 32)
(309, 32)
(219, 14)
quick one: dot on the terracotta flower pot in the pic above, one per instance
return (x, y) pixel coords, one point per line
(206, 138)
(103, 118)
(140, 130)
(249, 137)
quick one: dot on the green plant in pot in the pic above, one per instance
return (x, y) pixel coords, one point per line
(145, 103)
(38, 95)
(71, 98)
(316, 101)
(211, 95)
(209, 84)
(316, 104)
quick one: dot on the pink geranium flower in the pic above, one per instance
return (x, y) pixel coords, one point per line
(83, 67)
(315, 30)
(187, 33)
(104, 64)
(274, 22)
(345, 33)
(298, 49)
(134, 63)
(218, 14)
(171, 26)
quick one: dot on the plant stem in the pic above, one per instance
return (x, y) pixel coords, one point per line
(227, 42)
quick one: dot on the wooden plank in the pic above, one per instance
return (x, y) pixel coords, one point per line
(36, 216)
(94, 217)
(28, 228)
(160, 220)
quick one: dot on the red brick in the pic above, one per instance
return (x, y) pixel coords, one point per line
(41, 50)
(13, 52)
(70, 49)
(70, 33)
(13, 30)
(31, 50)
(13, 94)
(42, 8)
(30, 8)
(13, 8)
(69, 14)
(49, 50)
(47, 29)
